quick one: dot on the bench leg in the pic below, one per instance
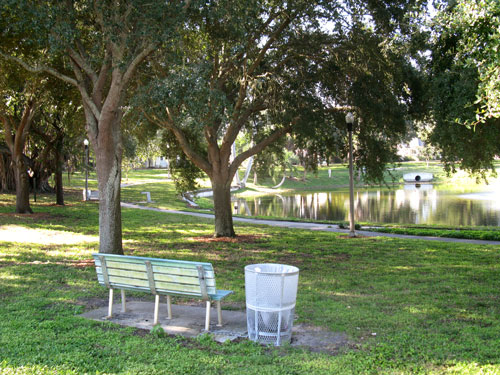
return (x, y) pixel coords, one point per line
(157, 308)
(124, 302)
(207, 317)
(169, 307)
(219, 314)
(110, 304)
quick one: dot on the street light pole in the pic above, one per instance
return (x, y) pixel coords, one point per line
(349, 119)
(86, 144)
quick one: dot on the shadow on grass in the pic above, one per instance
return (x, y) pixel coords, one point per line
(408, 306)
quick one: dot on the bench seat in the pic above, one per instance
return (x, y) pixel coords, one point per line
(159, 277)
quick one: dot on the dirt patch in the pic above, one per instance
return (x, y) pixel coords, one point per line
(82, 263)
(92, 303)
(245, 238)
(317, 339)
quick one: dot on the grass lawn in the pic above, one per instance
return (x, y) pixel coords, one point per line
(320, 181)
(407, 306)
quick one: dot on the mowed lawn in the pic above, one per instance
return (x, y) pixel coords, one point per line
(407, 306)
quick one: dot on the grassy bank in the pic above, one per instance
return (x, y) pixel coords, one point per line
(164, 196)
(407, 307)
(321, 180)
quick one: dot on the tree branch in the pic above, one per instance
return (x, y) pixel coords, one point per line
(136, 61)
(83, 90)
(24, 126)
(269, 43)
(235, 127)
(256, 149)
(80, 61)
(101, 79)
(40, 69)
(196, 158)
(8, 132)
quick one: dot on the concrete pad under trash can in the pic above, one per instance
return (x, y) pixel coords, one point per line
(187, 320)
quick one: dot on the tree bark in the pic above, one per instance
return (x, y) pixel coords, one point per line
(7, 178)
(108, 164)
(222, 205)
(22, 186)
(58, 177)
(16, 141)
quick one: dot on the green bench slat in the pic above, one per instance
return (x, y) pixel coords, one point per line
(171, 277)
(140, 260)
(159, 291)
(165, 286)
(171, 270)
(157, 276)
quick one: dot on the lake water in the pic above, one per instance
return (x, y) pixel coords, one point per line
(409, 204)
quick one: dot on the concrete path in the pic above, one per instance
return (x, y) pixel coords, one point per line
(313, 226)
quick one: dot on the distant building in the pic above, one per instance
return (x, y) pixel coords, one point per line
(159, 162)
(411, 150)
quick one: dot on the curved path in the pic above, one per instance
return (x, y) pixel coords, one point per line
(313, 226)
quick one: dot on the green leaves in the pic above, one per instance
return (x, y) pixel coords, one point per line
(474, 29)
(465, 84)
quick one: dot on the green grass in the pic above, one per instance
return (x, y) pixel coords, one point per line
(490, 234)
(434, 306)
(164, 196)
(320, 181)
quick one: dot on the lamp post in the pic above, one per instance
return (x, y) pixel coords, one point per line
(86, 145)
(349, 119)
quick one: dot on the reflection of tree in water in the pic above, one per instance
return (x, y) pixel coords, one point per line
(426, 206)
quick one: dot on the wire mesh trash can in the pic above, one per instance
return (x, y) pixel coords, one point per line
(271, 292)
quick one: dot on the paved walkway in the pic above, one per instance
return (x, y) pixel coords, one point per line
(313, 226)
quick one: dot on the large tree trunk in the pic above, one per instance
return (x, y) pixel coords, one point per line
(222, 205)
(108, 164)
(15, 141)
(22, 186)
(110, 220)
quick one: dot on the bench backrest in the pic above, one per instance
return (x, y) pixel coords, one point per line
(158, 276)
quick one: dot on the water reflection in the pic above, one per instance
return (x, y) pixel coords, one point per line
(410, 204)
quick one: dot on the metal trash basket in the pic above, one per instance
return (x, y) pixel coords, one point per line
(271, 292)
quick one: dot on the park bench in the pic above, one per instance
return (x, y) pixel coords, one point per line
(92, 195)
(159, 277)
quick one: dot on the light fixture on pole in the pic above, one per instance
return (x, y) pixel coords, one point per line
(349, 119)
(86, 194)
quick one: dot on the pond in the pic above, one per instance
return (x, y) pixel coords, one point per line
(408, 204)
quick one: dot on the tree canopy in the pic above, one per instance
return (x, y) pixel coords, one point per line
(268, 69)
(465, 84)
